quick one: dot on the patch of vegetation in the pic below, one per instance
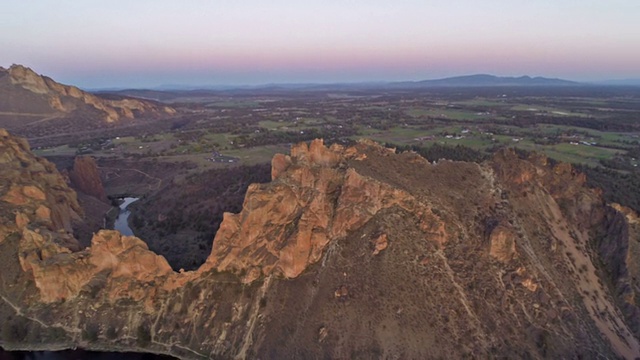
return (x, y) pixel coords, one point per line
(90, 333)
(14, 329)
(617, 186)
(181, 220)
(437, 151)
(111, 333)
(143, 335)
(57, 334)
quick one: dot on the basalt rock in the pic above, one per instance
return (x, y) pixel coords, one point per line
(354, 252)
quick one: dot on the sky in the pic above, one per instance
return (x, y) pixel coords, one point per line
(149, 43)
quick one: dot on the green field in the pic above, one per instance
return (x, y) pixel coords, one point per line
(452, 114)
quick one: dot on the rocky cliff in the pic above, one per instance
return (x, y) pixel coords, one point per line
(19, 83)
(85, 177)
(32, 191)
(351, 252)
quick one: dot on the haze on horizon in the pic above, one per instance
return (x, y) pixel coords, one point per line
(147, 43)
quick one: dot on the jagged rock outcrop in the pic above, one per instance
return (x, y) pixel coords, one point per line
(285, 231)
(32, 191)
(124, 258)
(48, 96)
(351, 252)
(85, 177)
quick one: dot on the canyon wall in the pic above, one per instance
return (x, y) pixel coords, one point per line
(350, 252)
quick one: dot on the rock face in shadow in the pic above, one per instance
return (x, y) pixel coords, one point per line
(354, 252)
(85, 177)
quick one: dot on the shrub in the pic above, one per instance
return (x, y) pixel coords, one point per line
(90, 334)
(143, 335)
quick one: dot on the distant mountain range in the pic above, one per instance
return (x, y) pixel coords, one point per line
(476, 80)
(486, 80)
(479, 80)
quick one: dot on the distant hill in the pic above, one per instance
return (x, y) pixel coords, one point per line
(36, 105)
(486, 80)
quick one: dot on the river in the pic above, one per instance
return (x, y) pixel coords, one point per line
(122, 221)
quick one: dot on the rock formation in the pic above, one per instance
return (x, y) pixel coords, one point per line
(40, 195)
(351, 252)
(65, 99)
(85, 177)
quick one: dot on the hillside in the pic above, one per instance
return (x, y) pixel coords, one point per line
(349, 252)
(34, 105)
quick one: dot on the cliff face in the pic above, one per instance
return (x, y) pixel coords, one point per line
(348, 253)
(283, 231)
(33, 192)
(51, 97)
(85, 177)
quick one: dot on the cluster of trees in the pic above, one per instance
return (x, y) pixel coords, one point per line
(614, 123)
(194, 206)
(266, 137)
(618, 186)
(198, 203)
(235, 122)
(438, 151)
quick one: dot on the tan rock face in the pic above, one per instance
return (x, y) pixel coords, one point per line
(28, 79)
(43, 213)
(632, 216)
(279, 164)
(61, 274)
(15, 196)
(503, 244)
(21, 220)
(33, 192)
(286, 225)
(381, 243)
(33, 188)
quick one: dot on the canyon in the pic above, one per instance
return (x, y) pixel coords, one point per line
(349, 252)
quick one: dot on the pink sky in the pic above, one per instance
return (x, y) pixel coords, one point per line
(199, 42)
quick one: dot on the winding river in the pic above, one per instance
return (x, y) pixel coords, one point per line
(122, 221)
